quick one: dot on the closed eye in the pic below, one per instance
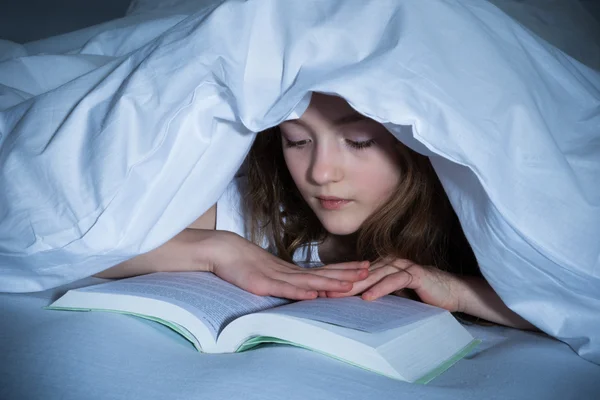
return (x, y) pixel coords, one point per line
(360, 145)
(298, 143)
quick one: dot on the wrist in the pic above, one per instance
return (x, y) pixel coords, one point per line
(207, 247)
(462, 287)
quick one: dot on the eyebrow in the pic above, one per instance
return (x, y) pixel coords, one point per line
(349, 119)
(344, 120)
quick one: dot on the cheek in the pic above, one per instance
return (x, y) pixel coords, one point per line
(380, 180)
(296, 165)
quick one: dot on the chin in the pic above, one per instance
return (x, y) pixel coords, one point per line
(340, 228)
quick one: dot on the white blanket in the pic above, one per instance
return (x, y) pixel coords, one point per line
(113, 140)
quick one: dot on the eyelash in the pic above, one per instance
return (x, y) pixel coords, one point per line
(360, 145)
(355, 145)
(300, 143)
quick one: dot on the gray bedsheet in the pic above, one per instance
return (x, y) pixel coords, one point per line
(68, 355)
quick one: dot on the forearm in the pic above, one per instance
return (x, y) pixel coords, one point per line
(181, 253)
(479, 299)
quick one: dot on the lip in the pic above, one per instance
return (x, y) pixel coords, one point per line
(332, 203)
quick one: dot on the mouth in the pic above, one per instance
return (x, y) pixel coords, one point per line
(332, 203)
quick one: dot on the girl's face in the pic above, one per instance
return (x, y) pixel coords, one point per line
(344, 164)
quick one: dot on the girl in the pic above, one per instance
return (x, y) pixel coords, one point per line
(328, 188)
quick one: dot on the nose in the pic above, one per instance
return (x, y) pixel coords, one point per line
(326, 166)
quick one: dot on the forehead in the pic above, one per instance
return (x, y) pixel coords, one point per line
(326, 107)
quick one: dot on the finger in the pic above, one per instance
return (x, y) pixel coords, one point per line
(398, 264)
(353, 265)
(402, 264)
(313, 281)
(372, 279)
(263, 285)
(387, 285)
(348, 275)
(322, 293)
(289, 291)
(416, 272)
(348, 265)
(316, 279)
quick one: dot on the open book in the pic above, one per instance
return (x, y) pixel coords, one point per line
(393, 336)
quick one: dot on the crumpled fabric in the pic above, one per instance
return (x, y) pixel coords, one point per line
(115, 138)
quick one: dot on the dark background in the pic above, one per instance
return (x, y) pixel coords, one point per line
(26, 20)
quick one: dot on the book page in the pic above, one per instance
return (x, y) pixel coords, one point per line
(203, 294)
(353, 312)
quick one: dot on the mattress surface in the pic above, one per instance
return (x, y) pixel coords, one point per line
(71, 355)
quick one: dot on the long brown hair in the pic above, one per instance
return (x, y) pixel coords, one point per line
(416, 223)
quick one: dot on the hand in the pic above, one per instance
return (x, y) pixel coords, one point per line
(248, 266)
(433, 286)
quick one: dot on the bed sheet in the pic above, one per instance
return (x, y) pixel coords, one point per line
(116, 99)
(67, 355)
